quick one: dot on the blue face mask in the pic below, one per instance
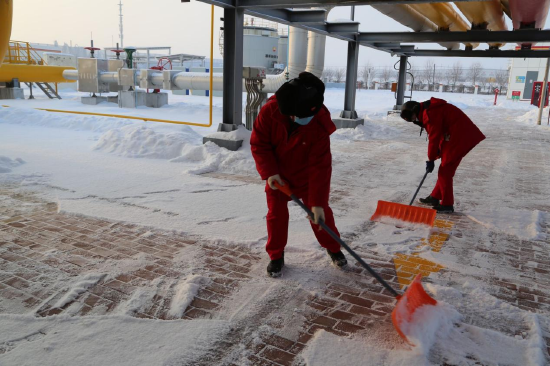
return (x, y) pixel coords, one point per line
(303, 121)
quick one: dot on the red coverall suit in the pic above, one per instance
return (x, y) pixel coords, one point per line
(451, 136)
(303, 160)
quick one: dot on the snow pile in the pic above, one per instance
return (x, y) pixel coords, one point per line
(531, 117)
(214, 158)
(79, 287)
(521, 223)
(185, 292)
(428, 324)
(369, 131)
(105, 340)
(6, 164)
(138, 141)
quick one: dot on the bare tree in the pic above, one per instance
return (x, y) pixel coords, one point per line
(328, 74)
(456, 73)
(385, 75)
(428, 73)
(373, 76)
(366, 73)
(339, 74)
(501, 77)
(475, 72)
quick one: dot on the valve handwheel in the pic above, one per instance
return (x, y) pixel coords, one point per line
(164, 63)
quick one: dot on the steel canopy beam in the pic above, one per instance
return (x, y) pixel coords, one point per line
(220, 3)
(311, 20)
(479, 36)
(309, 3)
(483, 54)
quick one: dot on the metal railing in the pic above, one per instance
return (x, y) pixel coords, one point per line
(22, 53)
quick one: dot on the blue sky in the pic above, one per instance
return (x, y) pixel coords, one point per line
(184, 26)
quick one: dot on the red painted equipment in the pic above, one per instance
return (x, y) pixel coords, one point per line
(496, 95)
(536, 95)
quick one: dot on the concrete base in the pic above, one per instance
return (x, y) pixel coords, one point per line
(156, 100)
(348, 122)
(96, 100)
(12, 93)
(131, 99)
(232, 145)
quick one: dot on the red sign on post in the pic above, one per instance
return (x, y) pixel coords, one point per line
(537, 92)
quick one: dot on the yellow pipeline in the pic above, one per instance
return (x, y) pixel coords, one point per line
(484, 12)
(155, 119)
(6, 15)
(34, 73)
(445, 17)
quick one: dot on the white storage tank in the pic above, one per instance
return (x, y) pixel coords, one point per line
(261, 46)
(282, 57)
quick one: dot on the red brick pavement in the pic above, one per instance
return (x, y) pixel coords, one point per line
(42, 250)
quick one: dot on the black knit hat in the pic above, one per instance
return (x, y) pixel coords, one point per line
(408, 109)
(301, 97)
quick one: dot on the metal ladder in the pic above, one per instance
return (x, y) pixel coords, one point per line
(46, 89)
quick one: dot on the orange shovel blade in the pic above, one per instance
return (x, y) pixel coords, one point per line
(398, 211)
(412, 299)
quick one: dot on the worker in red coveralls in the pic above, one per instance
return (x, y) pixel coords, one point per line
(451, 135)
(290, 144)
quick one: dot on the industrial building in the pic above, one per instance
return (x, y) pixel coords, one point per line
(524, 72)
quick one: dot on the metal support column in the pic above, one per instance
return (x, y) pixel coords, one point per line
(233, 32)
(348, 117)
(232, 69)
(401, 83)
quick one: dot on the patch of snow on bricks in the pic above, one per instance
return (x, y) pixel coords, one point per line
(141, 298)
(524, 224)
(6, 164)
(80, 286)
(106, 340)
(184, 293)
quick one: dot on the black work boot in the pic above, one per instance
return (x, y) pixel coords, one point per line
(338, 259)
(275, 267)
(444, 209)
(429, 201)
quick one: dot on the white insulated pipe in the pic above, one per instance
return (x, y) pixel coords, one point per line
(302, 57)
(316, 53)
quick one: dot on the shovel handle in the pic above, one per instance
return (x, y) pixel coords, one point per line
(419, 186)
(286, 189)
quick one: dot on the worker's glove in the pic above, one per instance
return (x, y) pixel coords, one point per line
(275, 178)
(318, 215)
(430, 165)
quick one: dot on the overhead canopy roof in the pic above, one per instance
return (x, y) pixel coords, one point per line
(298, 13)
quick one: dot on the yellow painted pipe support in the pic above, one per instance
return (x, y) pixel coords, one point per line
(34, 73)
(6, 16)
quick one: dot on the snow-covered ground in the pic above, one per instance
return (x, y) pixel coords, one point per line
(162, 176)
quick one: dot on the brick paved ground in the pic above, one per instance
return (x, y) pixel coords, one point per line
(42, 251)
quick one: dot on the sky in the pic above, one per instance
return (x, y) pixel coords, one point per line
(183, 26)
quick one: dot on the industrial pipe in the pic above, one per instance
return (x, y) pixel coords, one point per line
(445, 17)
(484, 15)
(6, 16)
(302, 57)
(33, 73)
(529, 14)
(411, 18)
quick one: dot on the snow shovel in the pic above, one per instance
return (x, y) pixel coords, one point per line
(413, 298)
(410, 213)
